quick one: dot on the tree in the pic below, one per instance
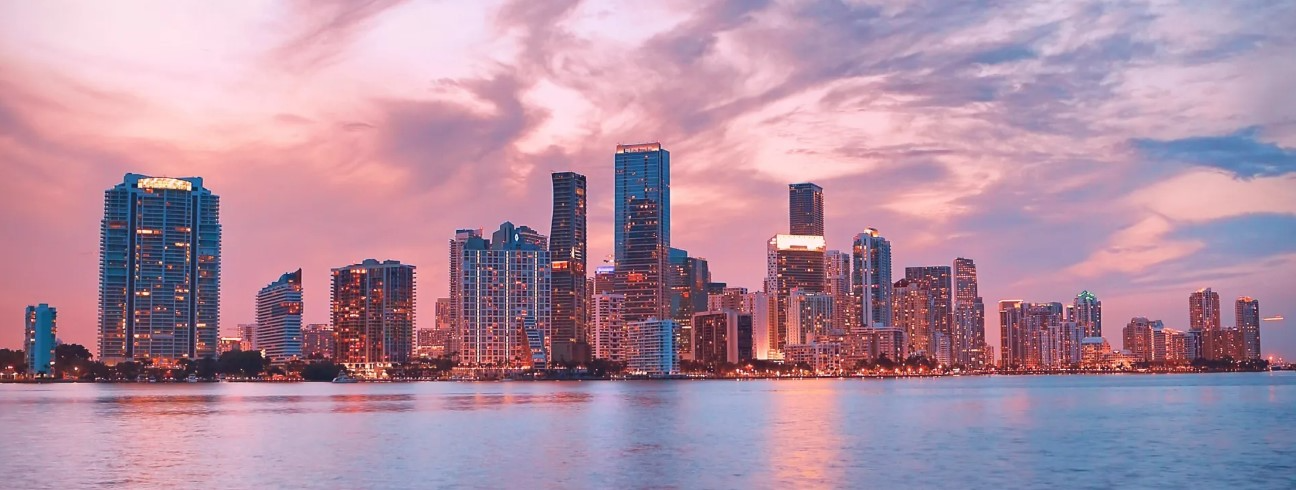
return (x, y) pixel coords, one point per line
(321, 371)
(15, 358)
(70, 357)
(129, 370)
(240, 363)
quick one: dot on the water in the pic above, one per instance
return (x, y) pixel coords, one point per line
(1154, 431)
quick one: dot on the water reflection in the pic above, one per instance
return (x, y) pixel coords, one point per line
(971, 432)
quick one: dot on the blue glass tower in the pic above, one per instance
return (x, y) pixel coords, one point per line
(642, 234)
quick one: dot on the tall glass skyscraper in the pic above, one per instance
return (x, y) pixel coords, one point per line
(642, 233)
(159, 271)
(871, 278)
(806, 209)
(279, 318)
(373, 312)
(567, 250)
(39, 339)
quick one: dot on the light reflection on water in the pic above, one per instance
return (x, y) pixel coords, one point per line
(1184, 431)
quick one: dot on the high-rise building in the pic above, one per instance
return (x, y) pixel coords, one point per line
(642, 231)
(1248, 322)
(373, 312)
(794, 262)
(247, 337)
(728, 299)
(607, 330)
(687, 278)
(568, 251)
(650, 348)
(279, 318)
(838, 276)
(507, 294)
(1203, 310)
(1033, 336)
(806, 209)
(159, 271)
(462, 236)
(871, 278)
(443, 317)
(39, 339)
(1012, 335)
(1086, 311)
(921, 307)
(810, 317)
(757, 304)
(318, 341)
(604, 279)
(716, 336)
(229, 344)
(969, 316)
(431, 343)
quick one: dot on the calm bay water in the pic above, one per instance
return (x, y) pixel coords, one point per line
(1130, 431)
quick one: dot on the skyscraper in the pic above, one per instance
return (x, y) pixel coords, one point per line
(607, 329)
(159, 271)
(922, 308)
(1012, 334)
(1086, 311)
(456, 285)
(373, 312)
(642, 243)
(871, 278)
(838, 276)
(1248, 322)
(806, 206)
(39, 339)
(687, 278)
(642, 233)
(810, 317)
(567, 250)
(279, 318)
(969, 316)
(794, 262)
(507, 300)
(1203, 310)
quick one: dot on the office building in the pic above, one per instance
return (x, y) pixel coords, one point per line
(716, 336)
(687, 278)
(507, 300)
(39, 339)
(806, 209)
(1248, 323)
(568, 251)
(318, 341)
(279, 318)
(604, 280)
(871, 278)
(810, 317)
(373, 313)
(159, 271)
(642, 231)
(757, 304)
(444, 319)
(247, 336)
(1033, 335)
(431, 343)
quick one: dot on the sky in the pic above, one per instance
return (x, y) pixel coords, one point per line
(1140, 150)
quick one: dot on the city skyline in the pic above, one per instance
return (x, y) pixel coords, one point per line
(1110, 223)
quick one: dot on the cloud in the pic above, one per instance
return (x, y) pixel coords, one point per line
(1239, 153)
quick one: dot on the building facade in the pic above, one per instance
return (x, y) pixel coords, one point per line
(969, 316)
(1248, 323)
(607, 328)
(1203, 310)
(871, 278)
(373, 312)
(716, 337)
(805, 209)
(39, 339)
(838, 285)
(507, 300)
(650, 348)
(568, 251)
(279, 318)
(794, 262)
(159, 271)
(318, 341)
(1086, 311)
(642, 231)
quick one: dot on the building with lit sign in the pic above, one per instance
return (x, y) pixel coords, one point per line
(159, 271)
(642, 231)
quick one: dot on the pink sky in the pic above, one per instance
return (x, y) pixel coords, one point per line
(1140, 151)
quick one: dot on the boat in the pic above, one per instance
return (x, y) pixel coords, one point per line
(193, 378)
(343, 378)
